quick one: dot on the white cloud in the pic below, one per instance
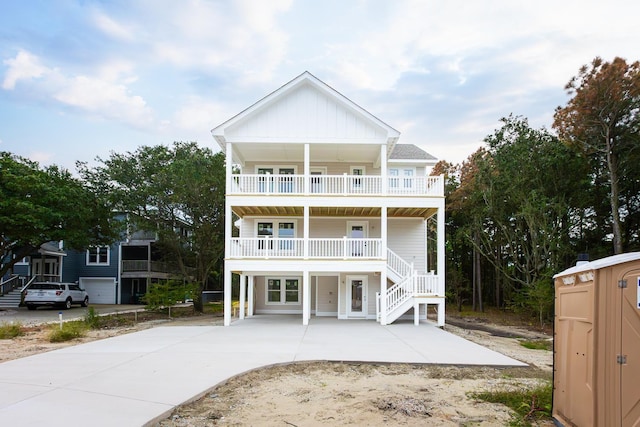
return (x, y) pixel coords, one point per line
(110, 27)
(106, 98)
(24, 66)
(198, 115)
(241, 37)
(41, 157)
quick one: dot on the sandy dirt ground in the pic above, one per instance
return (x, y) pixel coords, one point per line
(325, 393)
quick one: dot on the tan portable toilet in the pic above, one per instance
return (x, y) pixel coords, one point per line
(596, 357)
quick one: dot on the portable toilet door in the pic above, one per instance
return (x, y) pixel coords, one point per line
(630, 349)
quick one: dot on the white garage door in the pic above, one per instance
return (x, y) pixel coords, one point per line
(101, 290)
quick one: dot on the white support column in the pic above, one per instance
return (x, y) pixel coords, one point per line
(228, 165)
(441, 263)
(307, 172)
(383, 168)
(305, 231)
(441, 248)
(383, 231)
(416, 313)
(441, 312)
(250, 296)
(227, 296)
(383, 296)
(306, 297)
(243, 295)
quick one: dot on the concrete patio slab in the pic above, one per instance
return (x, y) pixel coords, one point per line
(134, 379)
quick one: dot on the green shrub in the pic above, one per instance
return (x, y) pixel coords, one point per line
(69, 331)
(530, 405)
(92, 320)
(10, 330)
(161, 295)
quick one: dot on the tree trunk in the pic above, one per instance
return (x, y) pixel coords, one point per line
(612, 164)
(478, 277)
(473, 287)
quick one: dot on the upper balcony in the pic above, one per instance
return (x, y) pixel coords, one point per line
(336, 185)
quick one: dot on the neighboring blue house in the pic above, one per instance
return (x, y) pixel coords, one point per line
(118, 274)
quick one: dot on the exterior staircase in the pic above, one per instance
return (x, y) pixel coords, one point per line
(409, 290)
(10, 299)
(11, 292)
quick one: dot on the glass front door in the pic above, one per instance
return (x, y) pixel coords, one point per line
(357, 296)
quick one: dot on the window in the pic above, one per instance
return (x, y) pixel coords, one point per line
(286, 231)
(98, 256)
(408, 178)
(283, 290)
(393, 180)
(265, 230)
(356, 183)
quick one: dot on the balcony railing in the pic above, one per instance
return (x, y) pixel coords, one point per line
(130, 266)
(331, 185)
(340, 248)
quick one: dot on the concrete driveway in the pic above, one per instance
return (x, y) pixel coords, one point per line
(136, 379)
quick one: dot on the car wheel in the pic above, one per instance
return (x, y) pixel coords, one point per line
(85, 302)
(67, 304)
(31, 307)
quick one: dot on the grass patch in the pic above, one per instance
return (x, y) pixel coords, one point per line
(68, 332)
(10, 330)
(537, 344)
(529, 405)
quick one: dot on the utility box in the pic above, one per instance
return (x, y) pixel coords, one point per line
(596, 357)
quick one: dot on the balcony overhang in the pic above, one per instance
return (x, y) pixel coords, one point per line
(334, 211)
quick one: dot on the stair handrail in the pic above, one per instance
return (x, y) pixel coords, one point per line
(399, 293)
(7, 284)
(395, 263)
(29, 283)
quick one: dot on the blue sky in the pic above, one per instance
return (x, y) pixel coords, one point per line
(81, 78)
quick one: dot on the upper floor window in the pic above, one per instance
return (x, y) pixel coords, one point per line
(98, 255)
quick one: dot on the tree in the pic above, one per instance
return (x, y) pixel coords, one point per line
(43, 205)
(603, 121)
(521, 200)
(167, 187)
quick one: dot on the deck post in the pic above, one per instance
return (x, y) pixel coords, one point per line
(383, 296)
(306, 297)
(250, 296)
(416, 312)
(227, 296)
(441, 312)
(241, 303)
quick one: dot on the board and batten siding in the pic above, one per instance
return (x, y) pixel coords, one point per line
(406, 237)
(306, 112)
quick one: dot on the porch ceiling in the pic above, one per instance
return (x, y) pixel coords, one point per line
(317, 211)
(289, 152)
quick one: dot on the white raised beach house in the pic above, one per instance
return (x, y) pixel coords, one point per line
(333, 214)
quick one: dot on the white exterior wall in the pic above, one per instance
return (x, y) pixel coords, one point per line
(327, 293)
(406, 237)
(333, 168)
(319, 227)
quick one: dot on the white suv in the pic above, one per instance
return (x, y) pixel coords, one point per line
(51, 293)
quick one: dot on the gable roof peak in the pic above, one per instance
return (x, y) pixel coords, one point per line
(305, 77)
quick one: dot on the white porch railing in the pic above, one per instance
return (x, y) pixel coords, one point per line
(331, 185)
(340, 248)
(397, 264)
